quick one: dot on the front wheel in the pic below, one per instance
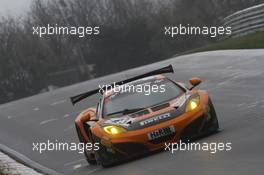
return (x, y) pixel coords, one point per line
(88, 155)
(90, 158)
(212, 124)
(107, 157)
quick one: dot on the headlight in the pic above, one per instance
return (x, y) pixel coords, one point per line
(114, 130)
(192, 103)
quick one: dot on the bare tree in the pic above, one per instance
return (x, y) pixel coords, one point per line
(131, 32)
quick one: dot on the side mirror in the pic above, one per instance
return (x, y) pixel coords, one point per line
(195, 81)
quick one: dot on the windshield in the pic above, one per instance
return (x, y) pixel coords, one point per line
(119, 104)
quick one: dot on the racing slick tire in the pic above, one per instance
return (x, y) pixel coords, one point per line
(107, 165)
(89, 157)
(107, 159)
(212, 125)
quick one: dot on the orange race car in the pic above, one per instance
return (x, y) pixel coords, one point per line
(139, 115)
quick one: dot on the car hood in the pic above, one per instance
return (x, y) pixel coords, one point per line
(150, 116)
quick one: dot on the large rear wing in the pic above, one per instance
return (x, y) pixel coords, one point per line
(80, 97)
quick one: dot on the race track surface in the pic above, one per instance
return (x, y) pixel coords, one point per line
(234, 80)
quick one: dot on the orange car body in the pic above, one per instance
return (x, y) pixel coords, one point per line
(172, 115)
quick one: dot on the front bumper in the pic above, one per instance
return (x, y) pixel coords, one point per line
(133, 143)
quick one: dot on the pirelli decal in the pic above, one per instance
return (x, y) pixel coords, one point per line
(155, 119)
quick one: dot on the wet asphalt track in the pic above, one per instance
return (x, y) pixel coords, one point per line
(234, 79)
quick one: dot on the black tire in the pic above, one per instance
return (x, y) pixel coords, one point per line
(89, 158)
(107, 165)
(213, 125)
(105, 158)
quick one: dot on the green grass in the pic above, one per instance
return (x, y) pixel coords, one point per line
(251, 41)
(2, 172)
(3, 169)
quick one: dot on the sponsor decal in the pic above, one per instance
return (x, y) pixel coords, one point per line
(155, 119)
(123, 121)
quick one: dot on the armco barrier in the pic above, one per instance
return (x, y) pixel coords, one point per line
(246, 21)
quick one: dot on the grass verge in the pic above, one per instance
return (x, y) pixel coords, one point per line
(4, 169)
(251, 41)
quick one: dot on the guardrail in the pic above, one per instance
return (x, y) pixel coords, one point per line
(246, 21)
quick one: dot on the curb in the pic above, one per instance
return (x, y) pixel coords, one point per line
(26, 161)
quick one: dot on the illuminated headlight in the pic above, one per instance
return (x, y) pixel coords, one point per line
(193, 103)
(114, 130)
